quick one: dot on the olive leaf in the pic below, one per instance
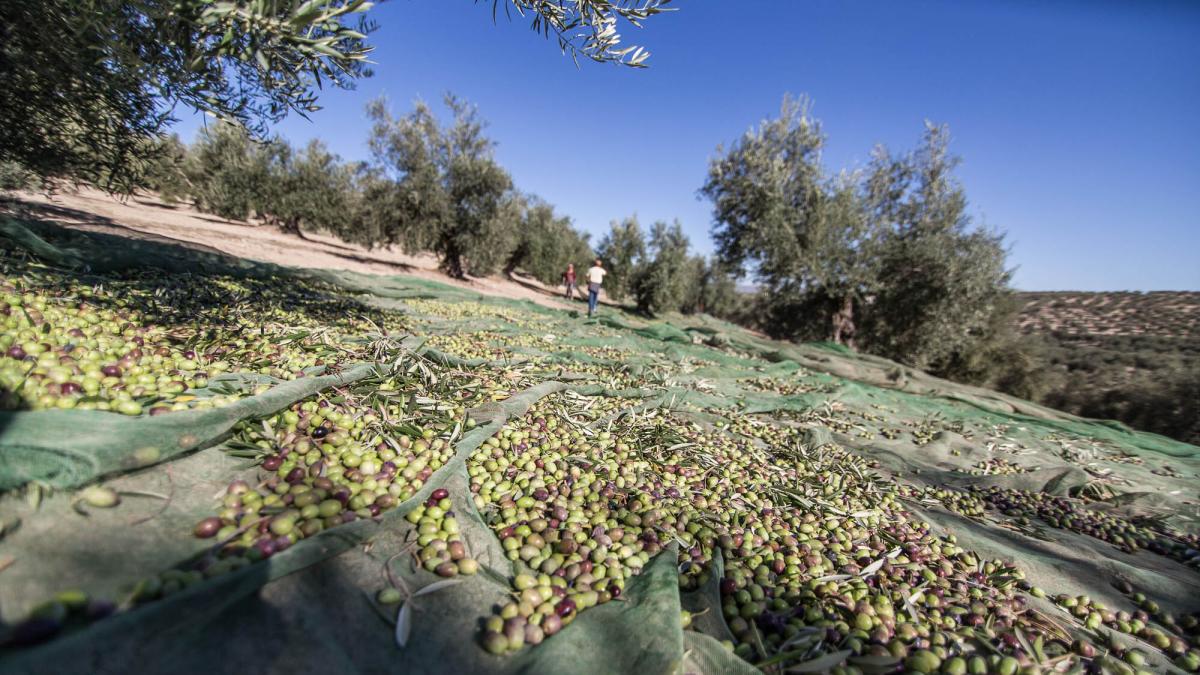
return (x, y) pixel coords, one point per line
(403, 624)
(436, 586)
(821, 664)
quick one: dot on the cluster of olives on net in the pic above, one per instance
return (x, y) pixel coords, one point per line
(66, 352)
(466, 310)
(1177, 641)
(486, 345)
(758, 427)
(612, 375)
(123, 348)
(1073, 514)
(553, 517)
(797, 383)
(961, 502)
(328, 463)
(441, 549)
(996, 466)
(810, 539)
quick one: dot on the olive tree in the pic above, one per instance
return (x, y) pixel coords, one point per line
(944, 279)
(622, 251)
(547, 243)
(167, 171)
(710, 289)
(886, 259)
(85, 86)
(231, 174)
(804, 234)
(312, 188)
(450, 196)
(663, 281)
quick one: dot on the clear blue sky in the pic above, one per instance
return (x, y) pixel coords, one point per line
(1078, 121)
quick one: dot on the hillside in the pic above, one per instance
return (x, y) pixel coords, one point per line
(207, 455)
(1171, 314)
(1133, 357)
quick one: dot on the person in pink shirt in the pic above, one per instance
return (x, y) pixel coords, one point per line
(569, 281)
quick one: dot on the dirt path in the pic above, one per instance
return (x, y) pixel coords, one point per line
(145, 216)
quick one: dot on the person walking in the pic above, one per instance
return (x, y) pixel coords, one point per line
(595, 277)
(569, 281)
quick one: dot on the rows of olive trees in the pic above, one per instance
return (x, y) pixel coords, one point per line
(432, 185)
(429, 187)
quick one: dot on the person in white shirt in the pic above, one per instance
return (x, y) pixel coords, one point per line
(595, 277)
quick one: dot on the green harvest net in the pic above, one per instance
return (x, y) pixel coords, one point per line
(311, 607)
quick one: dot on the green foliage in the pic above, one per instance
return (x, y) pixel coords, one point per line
(312, 188)
(13, 176)
(999, 358)
(940, 282)
(663, 282)
(713, 290)
(622, 251)
(87, 86)
(588, 28)
(547, 243)
(449, 194)
(887, 260)
(231, 175)
(167, 172)
(806, 235)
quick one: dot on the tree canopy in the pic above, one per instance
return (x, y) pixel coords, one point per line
(665, 278)
(451, 194)
(886, 258)
(546, 243)
(87, 86)
(621, 250)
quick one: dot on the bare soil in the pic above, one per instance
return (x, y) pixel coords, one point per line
(145, 216)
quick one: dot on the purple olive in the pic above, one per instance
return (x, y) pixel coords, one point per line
(15, 352)
(34, 631)
(272, 463)
(207, 528)
(266, 547)
(111, 371)
(100, 608)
